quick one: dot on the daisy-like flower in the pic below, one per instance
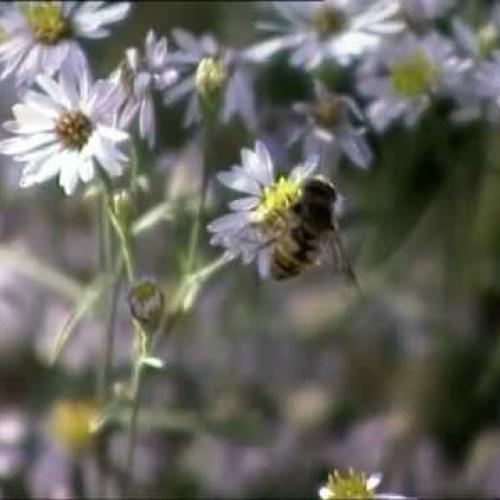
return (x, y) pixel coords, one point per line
(138, 77)
(66, 129)
(258, 217)
(212, 75)
(403, 77)
(330, 127)
(42, 36)
(354, 485)
(333, 29)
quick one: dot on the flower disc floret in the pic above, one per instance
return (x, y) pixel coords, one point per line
(73, 129)
(351, 485)
(413, 76)
(275, 200)
(47, 22)
(327, 21)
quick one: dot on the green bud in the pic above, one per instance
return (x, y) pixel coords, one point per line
(146, 303)
(122, 204)
(210, 79)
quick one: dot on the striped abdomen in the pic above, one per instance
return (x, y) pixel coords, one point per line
(295, 251)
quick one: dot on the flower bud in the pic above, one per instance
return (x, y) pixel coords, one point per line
(210, 79)
(70, 424)
(122, 205)
(146, 303)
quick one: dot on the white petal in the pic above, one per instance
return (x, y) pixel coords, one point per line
(373, 482)
(228, 223)
(68, 176)
(16, 145)
(253, 166)
(53, 90)
(244, 204)
(266, 161)
(113, 134)
(235, 180)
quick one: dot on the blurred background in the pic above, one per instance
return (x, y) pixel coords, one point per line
(269, 386)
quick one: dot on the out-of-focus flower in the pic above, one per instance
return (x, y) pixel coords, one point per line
(42, 36)
(67, 130)
(402, 78)
(333, 29)
(353, 485)
(138, 77)
(257, 217)
(420, 13)
(330, 121)
(213, 76)
(70, 425)
(13, 433)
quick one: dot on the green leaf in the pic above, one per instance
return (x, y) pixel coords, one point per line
(82, 307)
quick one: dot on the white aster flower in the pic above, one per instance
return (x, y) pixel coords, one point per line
(331, 127)
(138, 77)
(212, 75)
(403, 78)
(354, 485)
(257, 218)
(339, 30)
(42, 36)
(66, 130)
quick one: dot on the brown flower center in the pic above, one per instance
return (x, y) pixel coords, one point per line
(327, 21)
(73, 129)
(329, 112)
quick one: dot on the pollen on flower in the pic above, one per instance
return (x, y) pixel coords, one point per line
(70, 424)
(327, 21)
(47, 21)
(351, 485)
(275, 200)
(73, 129)
(211, 76)
(413, 76)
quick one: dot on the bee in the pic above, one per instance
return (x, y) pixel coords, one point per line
(311, 234)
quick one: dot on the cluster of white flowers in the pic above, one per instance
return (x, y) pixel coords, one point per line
(400, 58)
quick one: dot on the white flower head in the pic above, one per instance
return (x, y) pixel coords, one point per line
(401, 78)
(333, 120)
(256, 218)
(42, 36)
(66, 129)
(215, 74)
(354, 484)
(339, 30)
(138, 77)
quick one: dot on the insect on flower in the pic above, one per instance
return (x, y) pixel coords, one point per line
(288, 223)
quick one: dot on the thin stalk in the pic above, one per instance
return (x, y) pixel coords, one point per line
(196, 227)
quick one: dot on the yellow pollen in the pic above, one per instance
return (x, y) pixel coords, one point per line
(352, 485)
(47, 22)
(70, 424)
(327, 21)
(73, 129)
(275, 200)
(413, 76)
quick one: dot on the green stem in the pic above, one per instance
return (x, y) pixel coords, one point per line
(196, 227)
(142, 348)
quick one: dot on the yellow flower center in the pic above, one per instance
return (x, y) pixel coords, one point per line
(73, 129)
(47, 22)
(413, 76)
(211, 76)
(70, 424)
(352, 485)
(275, 201)
(327, 21)
(487, 39)
(328, 112)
